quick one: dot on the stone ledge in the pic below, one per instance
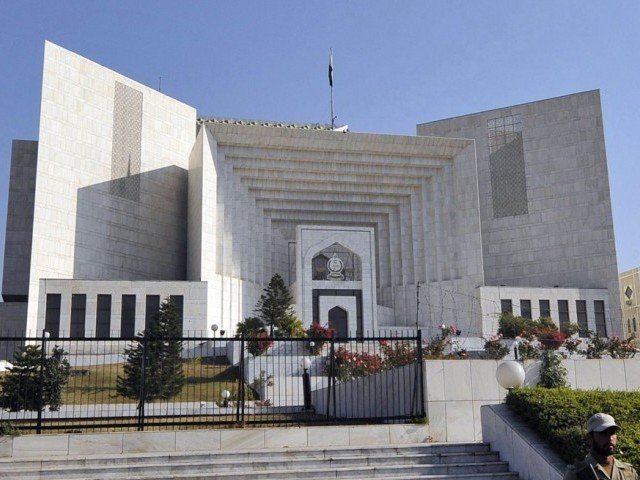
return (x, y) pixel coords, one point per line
(181, 441)
(526, 452)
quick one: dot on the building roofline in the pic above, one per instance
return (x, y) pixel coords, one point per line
(266, 123)
(509, 106)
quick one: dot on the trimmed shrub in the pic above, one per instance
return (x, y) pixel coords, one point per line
(560, 416)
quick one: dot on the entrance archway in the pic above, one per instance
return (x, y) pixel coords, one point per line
(339, 321)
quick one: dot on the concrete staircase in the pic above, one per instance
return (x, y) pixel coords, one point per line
(471, 461)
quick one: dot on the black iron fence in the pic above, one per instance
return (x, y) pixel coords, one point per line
(144, 383)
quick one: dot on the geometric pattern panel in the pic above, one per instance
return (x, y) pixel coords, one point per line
(127, 142)
(508, 177)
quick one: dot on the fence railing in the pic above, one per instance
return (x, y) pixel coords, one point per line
(151, 383)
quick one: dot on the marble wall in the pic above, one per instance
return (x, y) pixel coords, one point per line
(75, 204)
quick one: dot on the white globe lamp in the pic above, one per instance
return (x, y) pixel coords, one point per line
(305, 363)
(510, 375)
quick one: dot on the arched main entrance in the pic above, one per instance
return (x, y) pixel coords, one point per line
(339, 321)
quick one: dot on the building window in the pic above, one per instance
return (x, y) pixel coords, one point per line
(634, 325)
(52, 315)
(581, 311)
(563, 314)
(525, 308)
(506, 306)
(601, 326)
(628, 324)
(128, 316)
(545, 308)
(152, 310)
(103, 316)
(78, 313)
(178, 302)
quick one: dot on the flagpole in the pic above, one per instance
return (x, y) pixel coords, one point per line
(333, 118)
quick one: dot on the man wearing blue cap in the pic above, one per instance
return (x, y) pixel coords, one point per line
(602, 438)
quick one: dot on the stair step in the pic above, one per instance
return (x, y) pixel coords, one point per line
(336, 475)
(259, 471)
(290, 461)
(443, 449)
(419, 461)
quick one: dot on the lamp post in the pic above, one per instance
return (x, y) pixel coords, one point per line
(225, 398)
(214, 328)
(305, 364)
(417, 306)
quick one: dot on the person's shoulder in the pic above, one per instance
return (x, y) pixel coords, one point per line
(572, 470)
(626, 467)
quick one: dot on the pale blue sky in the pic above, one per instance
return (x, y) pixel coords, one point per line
(397, 64)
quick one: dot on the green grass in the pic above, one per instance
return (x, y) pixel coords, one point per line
(204, 383)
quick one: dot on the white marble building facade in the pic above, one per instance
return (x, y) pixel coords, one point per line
(127, 189)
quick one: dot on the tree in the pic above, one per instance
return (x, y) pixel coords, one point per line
(274, 308)
(21, 386)
(250, 327)
(159, 347)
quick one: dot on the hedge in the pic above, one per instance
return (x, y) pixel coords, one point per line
(560, 415)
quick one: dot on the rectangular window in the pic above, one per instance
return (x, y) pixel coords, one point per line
(506, 306)
(598, 310)
(545, 308)
(563, 313)
(583, 324)
(103, 316)
(634, 324)
(152, 310)
(128, 316)
(178, 302)
(525, 308)
(78, 313)
(52, 315)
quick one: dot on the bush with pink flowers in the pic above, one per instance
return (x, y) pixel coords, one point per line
(349, 365)
(398, 354)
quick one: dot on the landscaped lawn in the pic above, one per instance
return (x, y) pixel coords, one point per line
(97, 384)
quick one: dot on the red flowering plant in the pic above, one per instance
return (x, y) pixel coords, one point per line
(529, 348)
(458, 354)
(349, 365)
(494, 348)
(619, 348)
(572, 345)
(260, 344)
(550, 338)
(318, 335)
(398, 353)
(449, 331)
(435, 347)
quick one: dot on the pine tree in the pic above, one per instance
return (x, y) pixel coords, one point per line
(21, 386)
(161, 348)
(56, 375)
(274, 308)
